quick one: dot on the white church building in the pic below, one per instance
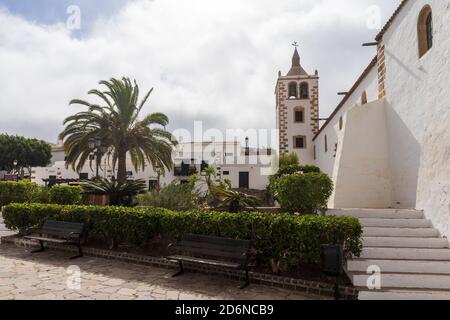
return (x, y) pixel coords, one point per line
(387, 148)
(387, 144)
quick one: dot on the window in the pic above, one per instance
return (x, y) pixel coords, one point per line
(300, 142)
(304, 91)
(315, 156)
(299, 115)
(364, 98)
(326, 143)
(425, 30)
(293, 90)
(341, 123)
(84, 176)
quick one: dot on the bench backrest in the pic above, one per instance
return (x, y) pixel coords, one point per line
(61, 229)
(225, 248)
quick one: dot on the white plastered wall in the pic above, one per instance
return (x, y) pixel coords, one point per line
(418, 92)
(361, 170)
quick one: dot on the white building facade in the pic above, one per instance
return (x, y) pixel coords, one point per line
(246, 168)
(387, 144)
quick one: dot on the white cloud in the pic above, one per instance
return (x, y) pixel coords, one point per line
(207, 59)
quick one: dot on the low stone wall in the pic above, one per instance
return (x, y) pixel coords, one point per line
(313, 287)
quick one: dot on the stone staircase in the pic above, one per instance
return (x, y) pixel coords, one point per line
(413, 257)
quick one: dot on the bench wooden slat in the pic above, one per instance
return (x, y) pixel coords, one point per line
(224, 264)
(63, 226)
(46, 239)
(228, 247)
(217, 240)
(214, 251)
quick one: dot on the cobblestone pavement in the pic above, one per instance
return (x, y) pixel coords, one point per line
(49, 276)
(3, 231)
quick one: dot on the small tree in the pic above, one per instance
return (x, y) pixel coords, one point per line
(27, 152)
(287, 159)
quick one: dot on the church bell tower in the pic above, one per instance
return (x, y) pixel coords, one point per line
(297, 103)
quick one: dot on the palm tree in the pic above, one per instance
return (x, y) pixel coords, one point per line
(120, 193)
(117, 125)
(234, 201)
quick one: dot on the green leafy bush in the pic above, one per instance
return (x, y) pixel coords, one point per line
(179, 197)
(280, 240)
(304, 193)
(21, 192)
(65, 194)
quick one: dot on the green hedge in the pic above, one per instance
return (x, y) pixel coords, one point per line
(65, 195)
(277, 238)
(21, 192)
(30, 192)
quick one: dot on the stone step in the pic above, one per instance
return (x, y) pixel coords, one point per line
(393, 294)
(378, 213)
(396, 223)
(399, 242)
(400, 266)
(406, 254)
(405, 281)
(401, 232)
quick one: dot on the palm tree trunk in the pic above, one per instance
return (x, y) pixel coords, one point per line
(122, 167)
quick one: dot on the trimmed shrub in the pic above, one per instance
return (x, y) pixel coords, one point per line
(21, 192)
(65, 195)
(280, 240)
(304, 193)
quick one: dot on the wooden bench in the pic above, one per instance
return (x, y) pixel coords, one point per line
(69, 233)
(213, 251)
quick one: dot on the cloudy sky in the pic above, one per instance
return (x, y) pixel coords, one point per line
(210, 60)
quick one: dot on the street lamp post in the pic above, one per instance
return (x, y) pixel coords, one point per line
(158, 173)
(99, 149)
(15, 163)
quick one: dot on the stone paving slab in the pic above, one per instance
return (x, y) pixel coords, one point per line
(3, 231)
(52, 276)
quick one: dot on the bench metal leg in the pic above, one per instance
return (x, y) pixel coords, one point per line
(247, 281)
(179, 273)
(41, 249)
(80, 253)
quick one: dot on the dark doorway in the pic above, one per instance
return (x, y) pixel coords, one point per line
(244, 180)
(152, 185)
